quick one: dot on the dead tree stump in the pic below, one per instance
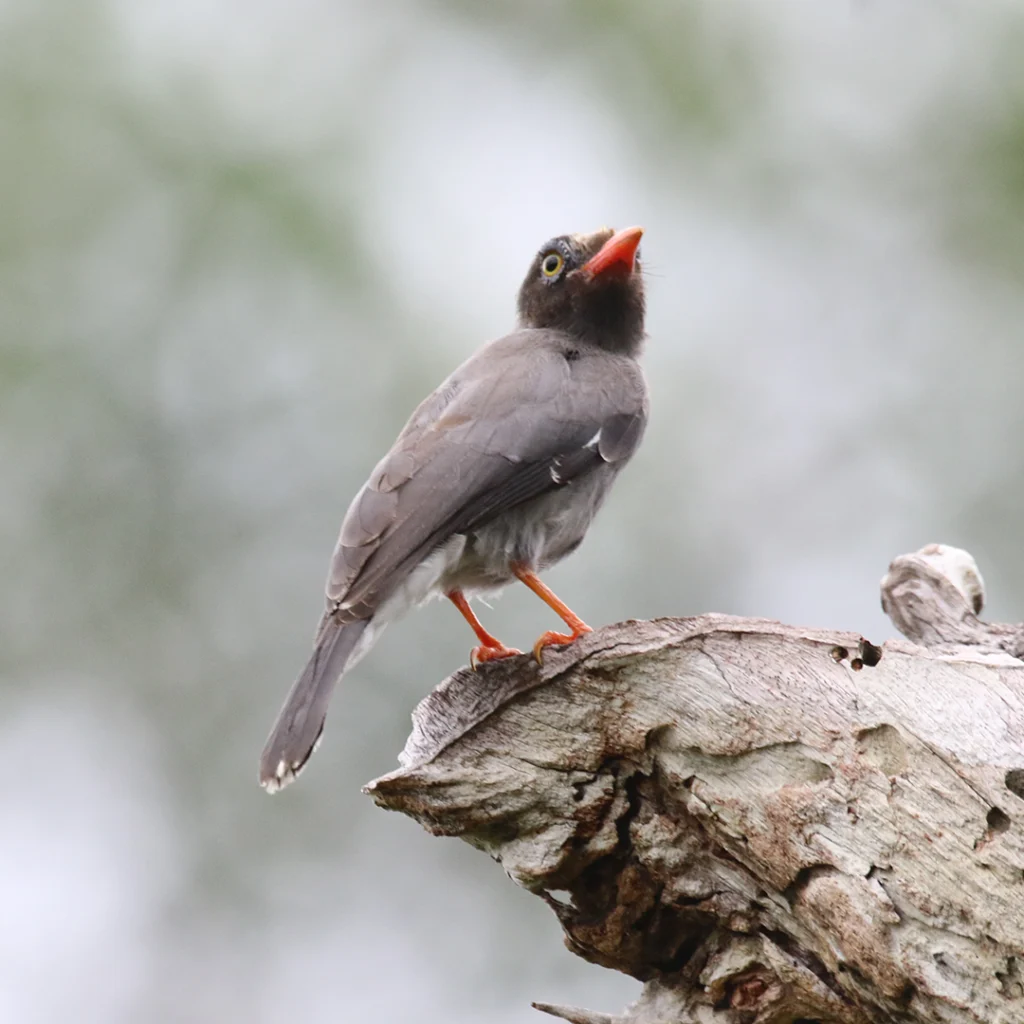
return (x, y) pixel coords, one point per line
(763, 823)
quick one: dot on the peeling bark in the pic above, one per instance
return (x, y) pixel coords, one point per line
(763, 823)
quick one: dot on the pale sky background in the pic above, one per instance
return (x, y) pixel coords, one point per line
(239, 242)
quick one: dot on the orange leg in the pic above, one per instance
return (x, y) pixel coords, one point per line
(491, 648)
(561, 609)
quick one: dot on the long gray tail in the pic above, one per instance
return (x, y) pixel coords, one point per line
(296, 732)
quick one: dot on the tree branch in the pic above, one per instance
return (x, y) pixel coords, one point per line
(763, 823)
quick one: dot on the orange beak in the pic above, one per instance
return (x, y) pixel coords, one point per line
(618, 251)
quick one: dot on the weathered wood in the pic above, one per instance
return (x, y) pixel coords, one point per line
(934, 597)
(575, 1015)
(763, 823)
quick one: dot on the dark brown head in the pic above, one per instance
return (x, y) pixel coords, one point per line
(589, 286)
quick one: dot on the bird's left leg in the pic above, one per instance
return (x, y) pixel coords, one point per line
(561, 609)
(491, 648)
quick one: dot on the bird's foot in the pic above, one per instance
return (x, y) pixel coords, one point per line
(552, 639)
(489, 652)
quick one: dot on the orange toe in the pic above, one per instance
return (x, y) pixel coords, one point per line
(551, 639)
(483, 653)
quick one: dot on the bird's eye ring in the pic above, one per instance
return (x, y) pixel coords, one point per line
(552, 264)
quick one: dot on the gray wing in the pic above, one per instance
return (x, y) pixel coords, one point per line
(514, 422)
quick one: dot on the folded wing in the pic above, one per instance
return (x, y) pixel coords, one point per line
(515, 422)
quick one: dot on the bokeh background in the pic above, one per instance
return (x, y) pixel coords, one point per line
(240, 240)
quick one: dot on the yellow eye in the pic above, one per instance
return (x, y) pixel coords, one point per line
(552, 265)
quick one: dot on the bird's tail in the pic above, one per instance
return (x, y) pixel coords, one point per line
(297, 730)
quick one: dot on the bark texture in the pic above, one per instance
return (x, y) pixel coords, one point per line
(763, 823)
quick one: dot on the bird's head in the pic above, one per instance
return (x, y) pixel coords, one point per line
(589, 286)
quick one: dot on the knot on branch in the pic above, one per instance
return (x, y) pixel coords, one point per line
(934, 597)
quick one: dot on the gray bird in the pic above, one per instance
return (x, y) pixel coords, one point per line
(497, 475)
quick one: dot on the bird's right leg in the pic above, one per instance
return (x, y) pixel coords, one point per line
(491, 648)
(556, 604)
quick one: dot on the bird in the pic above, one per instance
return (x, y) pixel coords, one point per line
(495, 477)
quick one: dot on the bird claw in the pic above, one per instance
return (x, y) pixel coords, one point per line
(483, 653)
(552, 639)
